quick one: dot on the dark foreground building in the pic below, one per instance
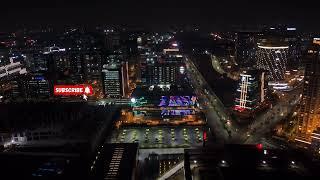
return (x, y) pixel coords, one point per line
(52, 140)
(248, 162)
(115, 161)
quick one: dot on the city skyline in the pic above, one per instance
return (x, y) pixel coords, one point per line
(201, 90)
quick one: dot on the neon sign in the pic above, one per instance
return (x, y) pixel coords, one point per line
(177, 101)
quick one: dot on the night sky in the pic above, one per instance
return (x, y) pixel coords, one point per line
(212, 14)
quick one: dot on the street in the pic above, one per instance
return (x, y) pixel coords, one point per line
(218, 121)
(266, 121)
(217, 118)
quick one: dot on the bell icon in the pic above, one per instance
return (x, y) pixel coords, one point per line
(87, 90)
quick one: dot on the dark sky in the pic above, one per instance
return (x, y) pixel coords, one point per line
(209, 13)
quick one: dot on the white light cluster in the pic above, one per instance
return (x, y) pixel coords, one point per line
(274, 60)
(244, 90)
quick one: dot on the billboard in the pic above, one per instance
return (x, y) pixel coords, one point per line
(177, 112)
(72, 90)
(177, 101)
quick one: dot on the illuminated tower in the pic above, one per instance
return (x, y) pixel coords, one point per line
(115, 80)
(273, 58)
(309, 107)
(251, 90)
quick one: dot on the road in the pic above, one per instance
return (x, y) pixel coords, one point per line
(266, 121)
(217, 118)
(216, 64)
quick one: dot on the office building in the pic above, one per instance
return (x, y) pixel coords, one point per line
(245, 48)
(112, 40)
(75, 65)
(251, 90)
(166, 70)
(115, 80)
(56, 63)
(37, 86)
(85, 65)
(145, 60)
(36, 62)
(92, 65)
(273, 57)
(12, 69)
(309, 107)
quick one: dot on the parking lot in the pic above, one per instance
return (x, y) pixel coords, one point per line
(159, 137)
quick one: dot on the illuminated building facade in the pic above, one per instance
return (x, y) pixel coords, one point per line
(251, 90)
(309, 107)
(115, 80)
(274, 59)
(290, 36)
(164, 71)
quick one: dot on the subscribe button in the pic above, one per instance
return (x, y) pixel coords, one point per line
(72, 90)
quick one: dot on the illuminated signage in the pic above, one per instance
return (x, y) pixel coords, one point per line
(174, 44)
(171, 50)
(291, 29)
(39, 78)
(177, 112)
(204, 135)
(182, 70)
(72, 90)
(177, 101)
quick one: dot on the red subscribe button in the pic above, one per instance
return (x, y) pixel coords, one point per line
(72, 90)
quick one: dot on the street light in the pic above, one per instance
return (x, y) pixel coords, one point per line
(133, 100)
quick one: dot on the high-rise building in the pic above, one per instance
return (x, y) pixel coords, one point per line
(37, 87)
(92, 65)
(145, 60)
(76, 65)
(115, 80)
(245, 49)
(112, 40)
(251, 90)
(164, 71)
(309, 108)
(36, 62)
(85, 65)
(273, 57)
